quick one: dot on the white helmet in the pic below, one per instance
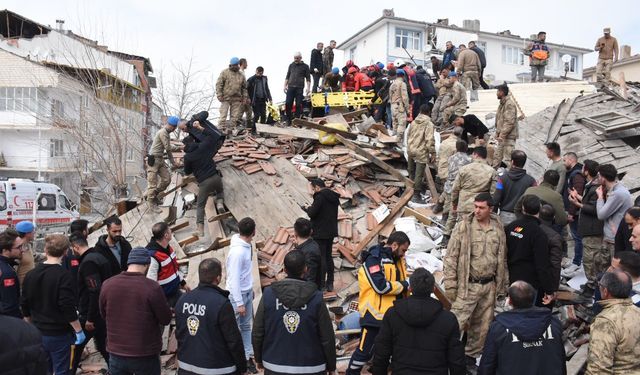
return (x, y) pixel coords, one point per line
(398, 63)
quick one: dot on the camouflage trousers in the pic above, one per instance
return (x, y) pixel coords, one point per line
(248, 115)
(603, 71)
(475, 314)
(471, 82)
(456, 109)
(233, 110)
(596, 258)
(399, 116)
(503, 152)
(158, 178)
(438, 106)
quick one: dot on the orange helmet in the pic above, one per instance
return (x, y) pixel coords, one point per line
(352, 70)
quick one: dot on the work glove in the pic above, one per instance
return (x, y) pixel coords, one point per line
(80, 337)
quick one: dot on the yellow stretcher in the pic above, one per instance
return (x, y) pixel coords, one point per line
(341, 99)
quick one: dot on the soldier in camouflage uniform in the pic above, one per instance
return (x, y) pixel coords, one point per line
(472, 179)
(456, 161)
(421, 149)
(247, 109)
(475, 271)
(506, 127)
(399, 100)
(231, 90)
(442, 85)
(158, 176)
(458, 103)
(447, 148)
(614, 346)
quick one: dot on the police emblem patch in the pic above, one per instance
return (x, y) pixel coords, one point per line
(291, 321)
(193, 323)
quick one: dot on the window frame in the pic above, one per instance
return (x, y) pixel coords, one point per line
(413, 38)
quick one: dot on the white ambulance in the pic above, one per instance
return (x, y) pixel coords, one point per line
(42, 203)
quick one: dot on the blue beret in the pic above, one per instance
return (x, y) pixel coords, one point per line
(173, 120)
(234, 61)
(25, 227)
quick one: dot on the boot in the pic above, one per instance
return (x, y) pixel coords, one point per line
(437, 208)
(445, 241)
(153, 207)
(199, 230)
(417, 198)
(220, 206)
(445, 217)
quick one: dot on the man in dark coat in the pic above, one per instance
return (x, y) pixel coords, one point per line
(309, 248)
(114, 246)
(557, 244)
(419, 335)
(259, 94)
(21, 350)
(526, 340)
(323, 213)
(528, 252)
(315, 65)
(483, 62)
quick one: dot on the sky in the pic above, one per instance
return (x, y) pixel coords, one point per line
(268, 33)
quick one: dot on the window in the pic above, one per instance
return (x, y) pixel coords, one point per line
(86, 101)
(482, 46)
(47, 202)
(56, 148)
(20, 99)
(573, 64)
(408, 39)
(130, 153)
(352, 53)
(512, 55)
(57, 108)
(64, 202)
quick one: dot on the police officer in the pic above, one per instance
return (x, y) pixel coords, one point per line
(11, 250)
(382, 279)
(293, 333)
(209, 340)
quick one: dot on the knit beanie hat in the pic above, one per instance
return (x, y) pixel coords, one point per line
(139, 255)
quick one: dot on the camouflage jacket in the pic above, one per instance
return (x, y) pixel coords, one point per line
(398, 94)
(162, 143)
(420, 141)
(231, 86)
(447, 148)
(472, 179)
(327, 60)
(458, 95)
(458, 259)
(456, 161)
(614, 346)
(507, 119)
(442, 85)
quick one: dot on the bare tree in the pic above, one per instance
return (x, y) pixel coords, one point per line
(184, 89)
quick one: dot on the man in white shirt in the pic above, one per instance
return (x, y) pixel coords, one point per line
(240, 283)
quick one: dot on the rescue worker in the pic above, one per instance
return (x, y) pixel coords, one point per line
(206, 324)
(475, 271)
(556, 163)
(158, 176)
(331, 81)
(455, 162)
(11, 248)
(538, 53)
(472, 179)
(27, 231)
(349, 80)
(247, 108)
(293, 332)
(615, 333)
(450, 54)
(93, 271)
(198, 160)
(458, 103)
(316, 66)
(421, 150)
(231, 91)
(444, 95)
(483, 62)
(382, 280)
(468, 67)
(363, 82)
(447, 148)
(298, 77)
(259, 94)
(163, 266)
(608, 53)
(436, 67)
(506, 126)
(399, 99)
(474, 129)
(327, 57)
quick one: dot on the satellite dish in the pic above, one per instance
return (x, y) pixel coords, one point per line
(566, 58)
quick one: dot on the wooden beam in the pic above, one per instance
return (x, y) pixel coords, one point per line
(432, 184)
(313, 125)
(222, 216)
(408, 211)
(404, 199)
(217, 244)
(177, 227)
(375, 160)
(185, 181)
(188, 240)
(442, 297)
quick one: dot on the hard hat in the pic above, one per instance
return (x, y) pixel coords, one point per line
(234, 61)
(335, 70)
(398, 63)
(173, 120)
(380, 65)
(352, 70)
(390, 66)
(349, 63)
(400, 72)
(25, 227)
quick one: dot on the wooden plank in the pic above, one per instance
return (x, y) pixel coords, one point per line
(179, 226)
(375, 160)
(408, 211)
(221, 216)
(326, 129)
(446, 304)
(404, 199)
(188, 240)
(289, 131)
(577, 362)
(185, 181)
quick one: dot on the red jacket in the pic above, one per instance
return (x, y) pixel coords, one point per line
(362, 80)
(349, 83)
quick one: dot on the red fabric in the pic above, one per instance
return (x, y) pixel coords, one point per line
(349, 83)
(362, 80)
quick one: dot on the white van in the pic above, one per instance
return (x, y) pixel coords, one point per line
(52, 213)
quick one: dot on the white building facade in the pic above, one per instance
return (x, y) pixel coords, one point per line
(383, 40)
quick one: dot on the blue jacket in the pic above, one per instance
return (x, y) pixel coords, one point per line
(524, 342)
(9, 289)
(206, 325)
(448, 56)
